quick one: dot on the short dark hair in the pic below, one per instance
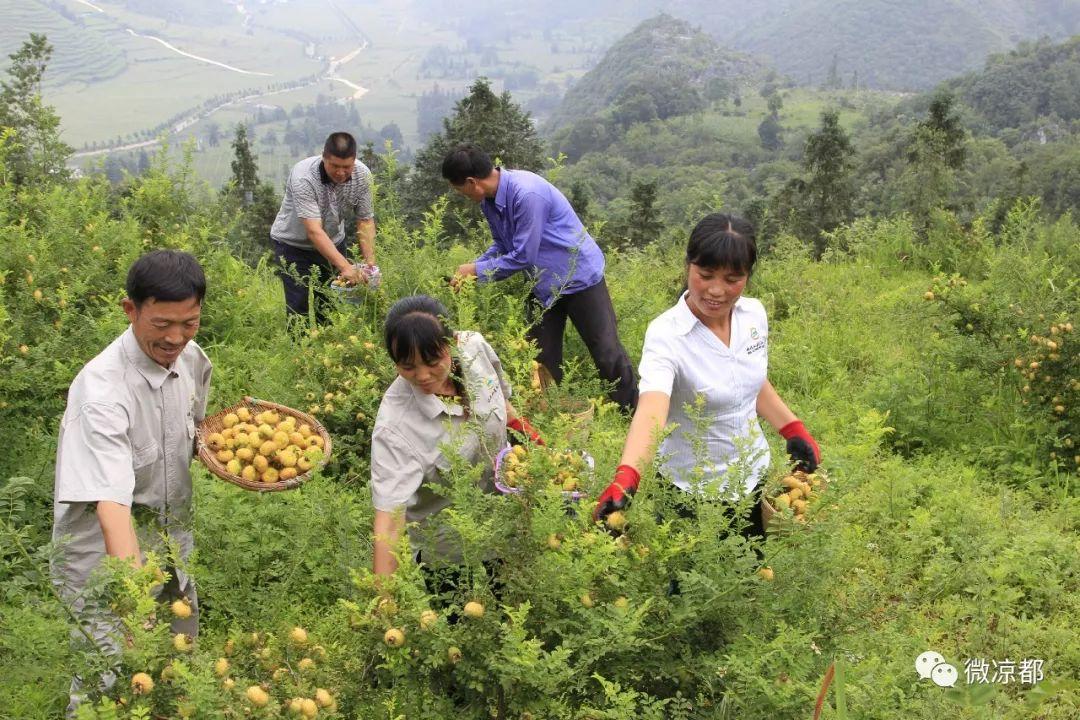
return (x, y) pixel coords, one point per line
(340, 145)
(165, 276)
(720, 240)
(466, 161)
(417, 324)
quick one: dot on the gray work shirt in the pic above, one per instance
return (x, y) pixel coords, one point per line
(407, 459)
(311, 195)
(126, 436)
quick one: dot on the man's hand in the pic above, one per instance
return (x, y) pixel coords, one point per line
(352, 275)
(461, 275)
(618, 493)
(801, 446)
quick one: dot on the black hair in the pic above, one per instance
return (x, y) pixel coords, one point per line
(417, 324)
(721, 240)
(466, 161)
(340, 145)
(165, 276)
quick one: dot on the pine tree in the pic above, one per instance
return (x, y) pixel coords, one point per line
(245, 169)
(645, 223)
(35, 151)
(495, 123)
(828, 192)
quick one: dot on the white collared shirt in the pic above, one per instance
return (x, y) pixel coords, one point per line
(412, 428)
(686, 361)
(126, 437)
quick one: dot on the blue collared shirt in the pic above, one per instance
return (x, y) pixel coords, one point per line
(536, 230)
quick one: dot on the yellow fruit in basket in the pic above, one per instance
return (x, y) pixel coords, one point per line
(289, 420)
(266, 431)
(520, 451)
(230, 420)
(215, 441)
(795, 493)
(303, 464)
(782, 502)
(244, 414)
(304, 429)
(260, 463)
(245, 454)
(570, 484)
(799, 506)
(287, 473)
(270, 475)
(281, 439)
(224, 455)
(286, 459)
(228, 433)
(272, 417)
(268, 448)
(790, 482)
(249, 473)
(297, 439)
(315, 441)
(234, 466)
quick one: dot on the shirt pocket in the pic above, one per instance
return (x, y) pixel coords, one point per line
(144, 460)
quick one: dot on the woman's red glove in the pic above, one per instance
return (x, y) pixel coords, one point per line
(801, 446)
(618, 493)
(524, 427)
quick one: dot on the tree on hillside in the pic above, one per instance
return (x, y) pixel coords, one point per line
(494, 122)
(645, 225)
(936, 151)
(34, 151)
(829, 193)
(770, 133)
(245, 169)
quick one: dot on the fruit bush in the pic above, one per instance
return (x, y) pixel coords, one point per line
(946, 523)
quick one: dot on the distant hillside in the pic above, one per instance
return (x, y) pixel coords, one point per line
(1038, 81)
(664, 67)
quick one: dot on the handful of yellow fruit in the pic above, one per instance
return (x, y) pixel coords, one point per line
(799, 490)
(264, 447)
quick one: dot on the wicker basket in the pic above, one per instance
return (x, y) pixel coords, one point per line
(213, 424)
(505, 489)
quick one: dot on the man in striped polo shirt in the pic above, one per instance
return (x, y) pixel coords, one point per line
(308, 234)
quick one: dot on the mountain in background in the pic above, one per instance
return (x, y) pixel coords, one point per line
(664, 67)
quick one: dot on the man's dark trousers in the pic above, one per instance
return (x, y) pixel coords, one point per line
(592, 314)
(307, 263)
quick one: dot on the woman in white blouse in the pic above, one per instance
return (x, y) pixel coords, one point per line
(712, 346)
(450, 391)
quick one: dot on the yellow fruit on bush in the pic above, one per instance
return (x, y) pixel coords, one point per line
(306, 664)
(182, 643)
(453, 654)
(24, 350)
(386, 607)
(38, 295)
(616, 521)
(298, 636)
(428, 618)
(554, 541)
(221, 667)
(141, 683)
(270, 475)
(323, 698)
(473, 609)
(587, 599)
(257, 696)
(228, 683)
(621, 602)
(394, 637)
(181, 609)
(765, 573)
(308, 708)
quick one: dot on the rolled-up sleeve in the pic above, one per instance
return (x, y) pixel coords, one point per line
(658, 363)
(529, 215)
(396, 473)
(365, 207)
(95, 459)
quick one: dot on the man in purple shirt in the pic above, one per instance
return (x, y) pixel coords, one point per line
(537, 232)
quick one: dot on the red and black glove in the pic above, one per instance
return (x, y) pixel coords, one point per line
(618, 493)
(525, 429)
(801, 446)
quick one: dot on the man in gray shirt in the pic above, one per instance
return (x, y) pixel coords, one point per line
(126, 439)
(308, 234)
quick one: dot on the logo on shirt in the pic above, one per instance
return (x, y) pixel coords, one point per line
(754, 334)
